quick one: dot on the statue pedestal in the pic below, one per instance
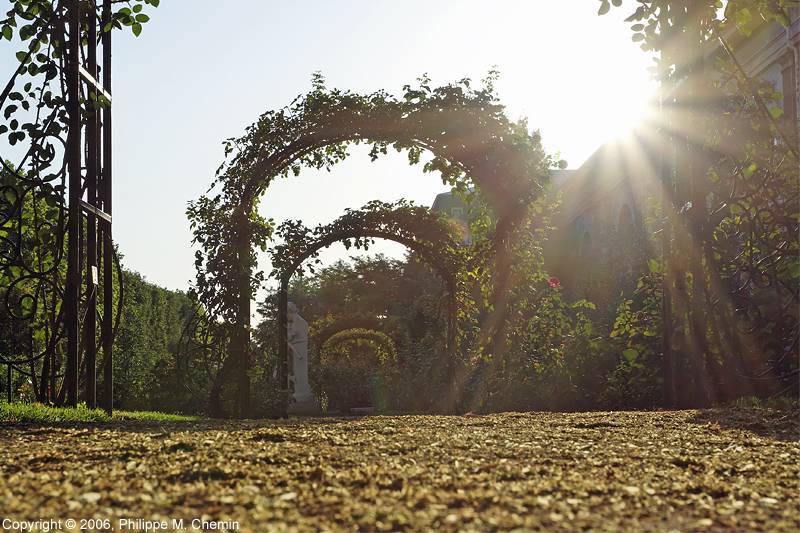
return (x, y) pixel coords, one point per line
(308, 407)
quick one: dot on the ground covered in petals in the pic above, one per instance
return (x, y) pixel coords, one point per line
(687, 470)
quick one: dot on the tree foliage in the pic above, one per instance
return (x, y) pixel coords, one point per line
(149, 373)
(732, 209)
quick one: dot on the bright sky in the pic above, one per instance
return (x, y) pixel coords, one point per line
(202, 70)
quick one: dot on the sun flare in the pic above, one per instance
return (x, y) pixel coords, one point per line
(628, 110)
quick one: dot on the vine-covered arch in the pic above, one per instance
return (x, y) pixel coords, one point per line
(424, 232)
(465, 131)
(322, 329)
(373, 336)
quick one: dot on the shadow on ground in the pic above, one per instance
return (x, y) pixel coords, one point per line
(775, 424)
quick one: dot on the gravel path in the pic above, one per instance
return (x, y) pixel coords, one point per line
(685, 470)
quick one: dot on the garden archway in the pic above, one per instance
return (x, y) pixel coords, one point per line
(373, 336)
(418, 229)
(356, 368)
(323, 329)
(466, 132)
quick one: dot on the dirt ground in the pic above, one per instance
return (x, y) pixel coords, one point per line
(688, 470)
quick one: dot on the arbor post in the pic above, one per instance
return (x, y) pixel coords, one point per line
(73, 155)
(283, 338)
(241, 340)
(107, 333)
(91, 274)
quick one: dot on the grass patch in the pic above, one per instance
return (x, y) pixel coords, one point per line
(37, 412)
(154, 416)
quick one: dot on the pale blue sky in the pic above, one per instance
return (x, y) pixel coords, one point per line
(202, 70)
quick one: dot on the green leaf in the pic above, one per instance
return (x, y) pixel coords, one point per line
(137, 29)
(776, 112)
(604, 7)
(142, 18)
(11, 195)
(794, 270)
(45, 234)
(630, 354)
(8, 33)
(743, 16)
(21, 55)
(654, 265)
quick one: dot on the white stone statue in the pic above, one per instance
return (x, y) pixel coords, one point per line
(298, 346)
